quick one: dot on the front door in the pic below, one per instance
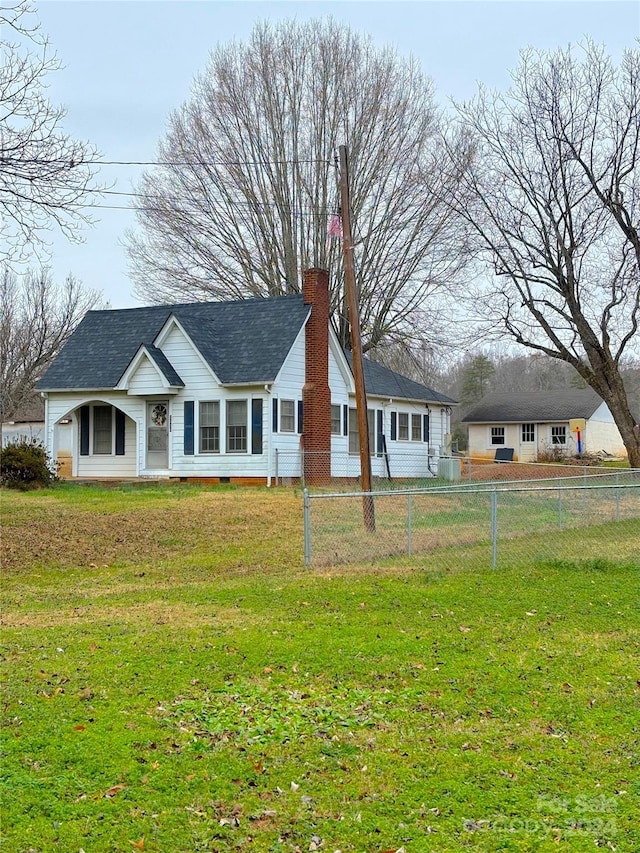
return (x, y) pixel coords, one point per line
(158, 434)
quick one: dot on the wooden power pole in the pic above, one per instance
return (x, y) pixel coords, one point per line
(356, 343)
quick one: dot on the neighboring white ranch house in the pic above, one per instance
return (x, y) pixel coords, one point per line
(232, 391)
(570, 421)
(26, 424)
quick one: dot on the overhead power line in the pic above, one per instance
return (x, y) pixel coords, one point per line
(291, 161)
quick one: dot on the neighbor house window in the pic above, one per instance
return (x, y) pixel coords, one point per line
(102, 429)
(528, 432)
(287, 416)
(236, 426)
(354, 436)
(497, 435)
(416, 428)
(210, 427)
(336, 420)
(558, 435)
(403, 426)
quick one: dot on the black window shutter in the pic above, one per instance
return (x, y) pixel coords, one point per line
(425, 427)
(84, 430)
(119, 433)
(300, 416)
(188, 428)
(274, 414)
(345, 420)
(256, 425)
(379, 432)
(394, 425)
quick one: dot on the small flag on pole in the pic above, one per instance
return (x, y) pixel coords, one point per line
(335, 226)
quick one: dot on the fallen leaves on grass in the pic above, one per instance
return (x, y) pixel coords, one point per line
(114, 791)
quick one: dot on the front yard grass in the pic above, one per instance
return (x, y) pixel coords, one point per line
(174, 680)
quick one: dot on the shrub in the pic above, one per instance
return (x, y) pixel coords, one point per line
(552, 453)
(25, 464)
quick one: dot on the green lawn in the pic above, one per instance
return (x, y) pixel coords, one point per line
(174, 680)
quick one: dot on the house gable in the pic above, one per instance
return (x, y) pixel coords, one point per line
(150, 372)
(245, 342)
(339, 365)
(179, 348)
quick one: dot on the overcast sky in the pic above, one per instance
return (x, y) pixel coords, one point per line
(128, 64)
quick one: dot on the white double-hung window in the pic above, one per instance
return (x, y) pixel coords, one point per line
(236, 426)
(287, 416)
(210, 427)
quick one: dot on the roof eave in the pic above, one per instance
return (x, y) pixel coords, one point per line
(76, 389)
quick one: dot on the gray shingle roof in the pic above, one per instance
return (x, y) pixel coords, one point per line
(163, 363)
(31, 410)
(244, 341)
(100, 349)
(380, 381)
(534, 406)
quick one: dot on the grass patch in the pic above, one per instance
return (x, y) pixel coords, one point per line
(174, 678)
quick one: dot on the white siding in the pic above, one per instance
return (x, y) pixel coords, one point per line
(219, 464)
(189, 365)
(66, 405)
(27, 431)
(408, 458)
(145, 380)
(602, 435)
(202, 386)
(110, 466)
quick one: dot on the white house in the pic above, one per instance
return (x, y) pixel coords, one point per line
(26, 424)
(570, 421)
(248, 391)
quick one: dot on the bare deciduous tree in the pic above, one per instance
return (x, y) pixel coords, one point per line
(36, 319)
(553, 195)
(46, 177)
(246, 183)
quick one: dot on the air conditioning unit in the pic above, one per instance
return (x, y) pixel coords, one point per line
(449, 468)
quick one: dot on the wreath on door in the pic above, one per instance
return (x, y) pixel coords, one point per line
(159, 415)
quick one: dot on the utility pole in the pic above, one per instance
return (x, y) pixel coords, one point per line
(356, 344)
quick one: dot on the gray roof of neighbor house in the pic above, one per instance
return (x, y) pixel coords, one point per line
(380, 381)
(534, 406)
(244, 342)
(32, 410)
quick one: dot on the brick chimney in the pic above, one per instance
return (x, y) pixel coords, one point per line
(316, 395)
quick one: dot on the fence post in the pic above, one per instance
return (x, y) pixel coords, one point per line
(409, 523)
(307, 528)
(617, 496)
(494, 528)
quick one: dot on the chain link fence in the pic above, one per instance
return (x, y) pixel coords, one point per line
(406, 467)
(591, 514)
